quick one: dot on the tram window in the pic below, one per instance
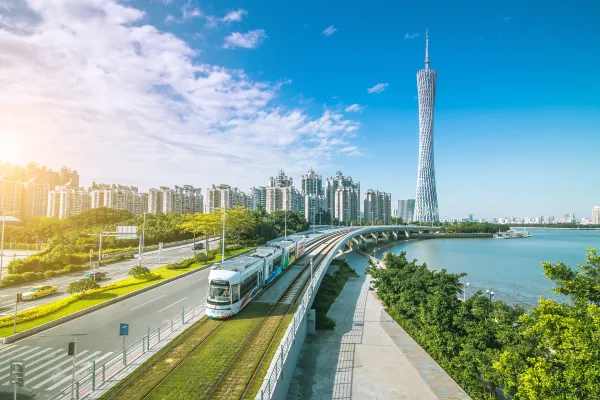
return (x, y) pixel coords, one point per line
(277, 261)
(249, 283)
(235, 290)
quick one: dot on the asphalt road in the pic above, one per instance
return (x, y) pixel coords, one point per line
(114, 272)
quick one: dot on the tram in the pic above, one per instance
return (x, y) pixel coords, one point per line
(233, 283)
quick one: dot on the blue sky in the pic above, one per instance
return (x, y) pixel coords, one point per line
(517, 129)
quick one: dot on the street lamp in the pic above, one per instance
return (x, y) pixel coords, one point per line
(5, 218)
(142, 242)
(490, 294)
(285, 222)
(465, 291)
(223, 238)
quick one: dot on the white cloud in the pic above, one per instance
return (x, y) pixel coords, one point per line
(330, 30)
(91, 85)
(248, 40)
(380, 87)
(234, 16)
(354, 108)
(408, 36)
(187, 13)
(350, 151)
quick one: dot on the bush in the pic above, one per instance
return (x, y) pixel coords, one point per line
(233, 247)
(39, 276)
(12, 279)
(75, 268)
(139, 272)
(29, 276)
(82, 286)
(49, 274)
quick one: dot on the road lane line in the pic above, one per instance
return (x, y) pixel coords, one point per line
(15, 358)
(70, 370)
(149, 301)
(77, 373)
(178, 301)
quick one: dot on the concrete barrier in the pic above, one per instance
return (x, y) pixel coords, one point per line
(89, 310)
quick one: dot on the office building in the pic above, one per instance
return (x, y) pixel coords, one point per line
(426, 204)
(377, 206)
(406, 209)
(596, 215)
(351, 207)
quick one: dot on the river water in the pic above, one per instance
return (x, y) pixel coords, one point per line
(510, 268)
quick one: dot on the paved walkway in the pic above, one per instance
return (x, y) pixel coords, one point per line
(368, 355)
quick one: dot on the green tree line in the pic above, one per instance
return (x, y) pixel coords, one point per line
(473, 227)
(68, 241)
(493, 349)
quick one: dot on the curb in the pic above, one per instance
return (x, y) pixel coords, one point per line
(89, 310)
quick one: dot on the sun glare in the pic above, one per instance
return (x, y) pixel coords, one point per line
(9, 149)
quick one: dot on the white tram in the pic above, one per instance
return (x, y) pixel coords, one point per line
(233, 283)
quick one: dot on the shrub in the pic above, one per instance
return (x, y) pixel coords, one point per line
(203, 257)
(12, 279)
(39, 275)
(29, 276)
(233, 247)
(75, 268)
(82, 286)
(49, 274)
(139, 272)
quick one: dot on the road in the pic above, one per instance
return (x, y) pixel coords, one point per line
(47, 366)
(114, 272)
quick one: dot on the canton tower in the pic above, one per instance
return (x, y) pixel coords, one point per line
(426, 204)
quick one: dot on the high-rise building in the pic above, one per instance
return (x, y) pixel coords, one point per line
(394, 212)
(426, 204)
(66, 201)
(312, 183)
(313, 205)
(347, 203)
(11, 194)
(406, 209)
(140, 203)
(339, 181)
(596, 215)
(282, 195)
(259, 197)
(35, 199)
(377, 206)
(225, 196)
(188, 200)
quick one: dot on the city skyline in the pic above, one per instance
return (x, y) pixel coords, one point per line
(516, 117)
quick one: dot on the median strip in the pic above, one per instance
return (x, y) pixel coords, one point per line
(55, 313)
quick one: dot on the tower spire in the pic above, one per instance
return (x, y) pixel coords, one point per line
(427, 48)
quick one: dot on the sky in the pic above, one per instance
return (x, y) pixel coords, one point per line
(166, 92)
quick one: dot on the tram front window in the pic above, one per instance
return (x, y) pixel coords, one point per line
(219, 294)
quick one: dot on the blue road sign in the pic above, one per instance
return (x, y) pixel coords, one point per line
(123, 329)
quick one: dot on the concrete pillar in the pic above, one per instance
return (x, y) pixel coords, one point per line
(311, 322)
(407, 233)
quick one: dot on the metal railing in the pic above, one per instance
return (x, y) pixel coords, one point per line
(276, 368)
(139, 351)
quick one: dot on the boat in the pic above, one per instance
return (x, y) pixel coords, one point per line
(512, 234)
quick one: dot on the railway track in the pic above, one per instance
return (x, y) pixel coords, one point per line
(284, 304)
(296, 287)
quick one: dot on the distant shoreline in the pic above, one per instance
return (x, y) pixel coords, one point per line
(553, 228)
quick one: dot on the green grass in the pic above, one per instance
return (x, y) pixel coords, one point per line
(60, 308)
(200, 372)
(330, 288)
(163, 362)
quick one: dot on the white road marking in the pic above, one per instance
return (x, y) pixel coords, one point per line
(15, 357)
(5, 347)
(40, 355)
(70, 370)
(178, 301)
(14, 350)
(77, 373)
(149, 301)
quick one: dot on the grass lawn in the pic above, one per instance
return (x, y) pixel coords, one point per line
(163, 362)
(97, 298)
(199, 373)
(330, 288)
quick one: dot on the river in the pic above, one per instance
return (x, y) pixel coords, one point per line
(510, 268)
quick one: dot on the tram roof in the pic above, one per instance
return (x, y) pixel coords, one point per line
(239, 264)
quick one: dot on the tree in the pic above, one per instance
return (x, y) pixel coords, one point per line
(82, 286)
(582, 286)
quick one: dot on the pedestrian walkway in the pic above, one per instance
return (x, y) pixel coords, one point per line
(47, 370)
(367, 355)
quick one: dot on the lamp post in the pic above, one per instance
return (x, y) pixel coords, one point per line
(490, 294)
(142, 242)
(465, 291)
(223, 237)
(285, 222)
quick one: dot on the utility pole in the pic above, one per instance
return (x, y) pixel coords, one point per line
(73, 352)
(285, 222)
(223, 237)
(142, 240)
(2, 243)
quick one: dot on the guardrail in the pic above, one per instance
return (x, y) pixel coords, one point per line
(139, 351)
(275, 370)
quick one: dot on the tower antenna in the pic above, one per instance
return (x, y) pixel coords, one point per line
(427, 48)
